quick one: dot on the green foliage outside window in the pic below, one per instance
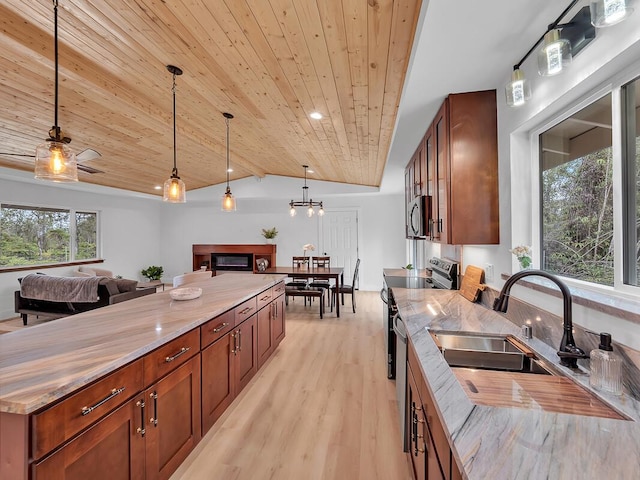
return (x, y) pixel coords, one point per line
(39, 236)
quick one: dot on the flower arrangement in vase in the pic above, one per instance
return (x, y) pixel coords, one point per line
(523, 254)
(307, 246)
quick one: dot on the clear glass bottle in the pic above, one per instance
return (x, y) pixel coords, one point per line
(606, 367)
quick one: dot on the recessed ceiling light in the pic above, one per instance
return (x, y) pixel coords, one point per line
(310, 171)
(157, 187)
(315, 115)
(229, 170)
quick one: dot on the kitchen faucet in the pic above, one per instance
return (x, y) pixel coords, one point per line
(568, 352)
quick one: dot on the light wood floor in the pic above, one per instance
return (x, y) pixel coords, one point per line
(320, 408)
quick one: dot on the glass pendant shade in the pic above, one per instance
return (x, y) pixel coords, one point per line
(310, 211)
(555, 54)
(55, 161)
(292, 210)
(321, 211)
(174, 190)
(517, 90)
(605, 13)
(228, 201)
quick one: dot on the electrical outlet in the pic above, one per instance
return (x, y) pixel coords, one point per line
(488, 272)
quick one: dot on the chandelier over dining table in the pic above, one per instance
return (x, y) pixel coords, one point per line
(306, 201)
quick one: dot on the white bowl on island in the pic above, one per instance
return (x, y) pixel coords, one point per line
(186, 293)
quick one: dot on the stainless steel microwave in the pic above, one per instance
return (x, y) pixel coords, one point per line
(418, 214)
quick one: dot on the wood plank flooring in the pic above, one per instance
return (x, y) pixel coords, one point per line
(321, 408)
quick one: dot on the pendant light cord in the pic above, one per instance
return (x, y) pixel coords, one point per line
(227, 122)
(173, 89)
(56, 128)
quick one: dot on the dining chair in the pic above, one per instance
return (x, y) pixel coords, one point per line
(320, 263)
(299, 263)
(346, 289)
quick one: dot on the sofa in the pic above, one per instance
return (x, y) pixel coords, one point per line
(53, 297)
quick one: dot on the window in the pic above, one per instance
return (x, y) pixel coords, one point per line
(40, 235)
(576, 185)
(631, 179)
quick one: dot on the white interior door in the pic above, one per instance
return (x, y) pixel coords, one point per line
(339, 239)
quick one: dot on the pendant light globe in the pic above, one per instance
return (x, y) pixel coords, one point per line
(228, 200)
(55, 160)
(174, 189)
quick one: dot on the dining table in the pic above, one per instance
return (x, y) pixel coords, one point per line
(335, 273)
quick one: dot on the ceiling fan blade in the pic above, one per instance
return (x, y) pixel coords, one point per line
(87, 154)
(88, 169)
(17, 155)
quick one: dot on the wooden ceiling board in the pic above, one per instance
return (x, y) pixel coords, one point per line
(268, 62)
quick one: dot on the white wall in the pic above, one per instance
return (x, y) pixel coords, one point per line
(381, 228)
(130, 234)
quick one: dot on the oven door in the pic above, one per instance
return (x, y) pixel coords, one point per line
(388, 312)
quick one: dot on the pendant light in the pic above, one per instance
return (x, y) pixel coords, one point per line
(174, 189)
(228, 202)
(55, 160)
(605, 13)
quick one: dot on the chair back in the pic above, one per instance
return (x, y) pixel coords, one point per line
(300, 262)
(321, 262)
(355, 273)
(191, 277)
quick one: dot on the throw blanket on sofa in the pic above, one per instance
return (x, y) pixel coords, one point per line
(60, 289)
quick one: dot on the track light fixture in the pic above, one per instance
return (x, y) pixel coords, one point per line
(55, 160)
(174, 189)
(306, 202)
(560, 43)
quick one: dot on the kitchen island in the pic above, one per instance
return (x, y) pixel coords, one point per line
(513, 442)
(126, 351)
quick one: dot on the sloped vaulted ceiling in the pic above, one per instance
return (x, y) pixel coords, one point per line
(268, 62)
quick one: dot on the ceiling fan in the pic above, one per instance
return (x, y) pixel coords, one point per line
(83, 156)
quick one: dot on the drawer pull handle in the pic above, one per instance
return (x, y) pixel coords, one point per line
(154, 420)
(220, 327)
(141, 430)
(245, 310)
(265, 298)
(114, 393)
(182, 351)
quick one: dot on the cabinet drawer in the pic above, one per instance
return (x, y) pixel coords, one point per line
(264, 298)
(216, 328)
(278, 289)
(414, 364)
(60, 422)
(245, 310)
(171, 355)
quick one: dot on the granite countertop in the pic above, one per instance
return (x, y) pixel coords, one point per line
(403, 272)
(507, 442)
(45, 362)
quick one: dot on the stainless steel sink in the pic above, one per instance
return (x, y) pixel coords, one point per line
(492, 352)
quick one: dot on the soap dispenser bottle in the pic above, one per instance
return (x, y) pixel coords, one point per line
(606, 367)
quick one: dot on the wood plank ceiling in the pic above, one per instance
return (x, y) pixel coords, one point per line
(268, 62)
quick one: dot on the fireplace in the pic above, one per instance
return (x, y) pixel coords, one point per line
(232, 262)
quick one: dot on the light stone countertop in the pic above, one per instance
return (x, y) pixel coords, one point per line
(515, 443)
(403, 272)
(45, 362)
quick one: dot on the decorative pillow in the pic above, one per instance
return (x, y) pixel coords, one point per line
(125, 285)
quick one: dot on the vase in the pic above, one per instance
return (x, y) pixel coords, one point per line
(525, 263)
(269, 240)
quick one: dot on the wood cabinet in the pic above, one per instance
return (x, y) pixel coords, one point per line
(202, 253)
(460, 170)
(173, 419)
(143, 419)
(112, 449)
(428, 444)
(271, 326)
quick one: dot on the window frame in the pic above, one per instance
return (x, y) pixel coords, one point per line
(73, 247)
(614, 87)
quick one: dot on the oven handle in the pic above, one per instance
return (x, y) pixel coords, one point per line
(383, 296)
(400, 330)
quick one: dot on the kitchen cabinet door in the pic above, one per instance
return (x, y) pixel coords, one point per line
(441, 177)
(415, 425)
(246, 352)
(218, 379)
(278, 320)
(265, 336)
(173, 427)
(112, 449)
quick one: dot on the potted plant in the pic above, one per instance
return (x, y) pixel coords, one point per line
(269, 234)
(152, 272)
